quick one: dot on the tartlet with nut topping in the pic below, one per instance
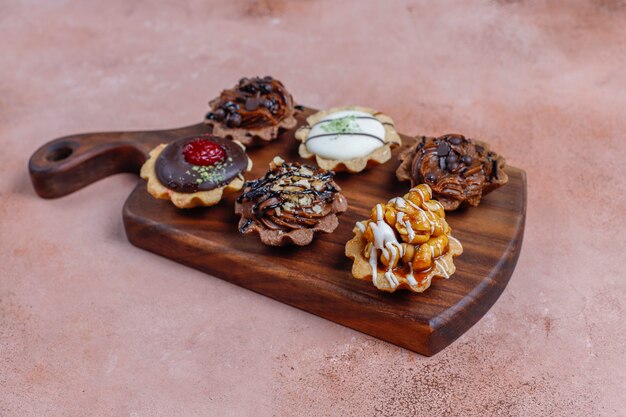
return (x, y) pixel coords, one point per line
(290, 204)
(405, 243)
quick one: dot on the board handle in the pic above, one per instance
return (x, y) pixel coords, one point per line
(70, 163)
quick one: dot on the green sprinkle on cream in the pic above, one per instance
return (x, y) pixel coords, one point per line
(345, 124)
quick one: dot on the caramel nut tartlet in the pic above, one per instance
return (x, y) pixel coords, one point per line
(196, 171)
(348, 138)
(405, 243)
(459, 170)
(290, 204)
(252, 112)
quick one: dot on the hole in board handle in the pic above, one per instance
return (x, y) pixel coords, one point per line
(59, 152)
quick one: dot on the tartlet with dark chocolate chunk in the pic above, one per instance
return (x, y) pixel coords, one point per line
(254, 111)
(290, 204)
(459, 170)
(196, 171)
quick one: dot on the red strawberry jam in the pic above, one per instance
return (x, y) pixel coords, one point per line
(204, 152)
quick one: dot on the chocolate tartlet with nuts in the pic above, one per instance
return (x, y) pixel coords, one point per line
(196, 171)
(254, 111)
(290, 204)
(457, 169)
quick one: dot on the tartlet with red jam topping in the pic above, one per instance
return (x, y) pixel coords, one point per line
(459, 170)
(196, 171)
(290, 204)
(254, 111)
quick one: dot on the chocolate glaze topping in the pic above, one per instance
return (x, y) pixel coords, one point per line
(177, 174)
(456, 168)
(290, 196)
(253, 103)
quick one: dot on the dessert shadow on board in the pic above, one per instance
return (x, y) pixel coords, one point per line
(316, 278)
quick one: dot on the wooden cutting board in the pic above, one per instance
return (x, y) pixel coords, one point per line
(314, 278)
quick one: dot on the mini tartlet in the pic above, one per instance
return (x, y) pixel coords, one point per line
(254, 111)
(405, 243)
(196, 170)
(290, 204)
(348, 138)
(459, 170)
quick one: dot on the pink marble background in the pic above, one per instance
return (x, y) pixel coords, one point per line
(90, 325)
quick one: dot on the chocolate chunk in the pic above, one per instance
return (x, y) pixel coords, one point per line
(252, 104)
(452, 166)
(234, 120)
(456, 140)
(219, 114)
(431, 177)
(467, 160)
(452, 158)
(443, 149)
(480, 149)
(266, 88)
(442, 163)
(494, 170)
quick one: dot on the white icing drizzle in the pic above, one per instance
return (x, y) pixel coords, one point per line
(419, 191)
(398, 201)
(443, 261)
(401, 203)
(455, 240)
(385, 240)
(443, 270)
(391, 278)
(374, 265)
(410, 277)
(407, 224)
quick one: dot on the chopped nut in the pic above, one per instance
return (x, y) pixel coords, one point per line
(318, 185)
(317, 209)
(306, 171)
(278, 161)
(304, 182)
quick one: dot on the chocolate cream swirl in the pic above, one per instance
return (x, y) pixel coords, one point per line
(457, 169)
(253, 103)
(289, 197)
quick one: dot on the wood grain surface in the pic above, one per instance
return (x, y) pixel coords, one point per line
(315, 278)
